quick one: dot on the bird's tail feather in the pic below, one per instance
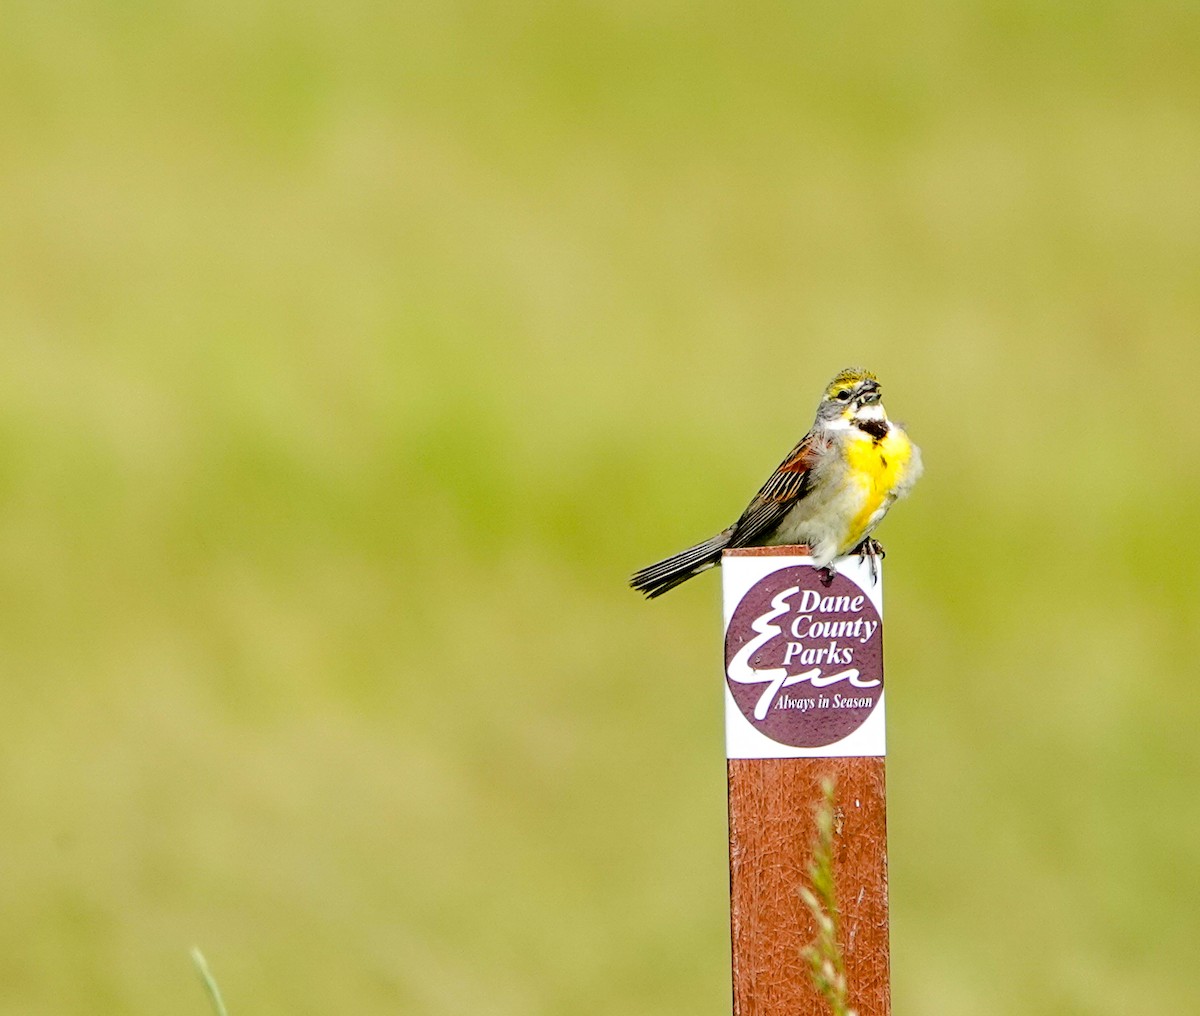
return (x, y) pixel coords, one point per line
(670, 572)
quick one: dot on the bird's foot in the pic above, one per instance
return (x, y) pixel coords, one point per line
(827, 573)
(872, 552)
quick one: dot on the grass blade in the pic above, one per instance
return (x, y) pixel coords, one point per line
(210, 982)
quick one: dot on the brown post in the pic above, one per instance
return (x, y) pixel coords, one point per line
(804, 702)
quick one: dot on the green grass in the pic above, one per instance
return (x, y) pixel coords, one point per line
(823, 955)
(211, 987)
(354, 354)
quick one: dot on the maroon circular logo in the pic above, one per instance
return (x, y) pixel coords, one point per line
(804, 662)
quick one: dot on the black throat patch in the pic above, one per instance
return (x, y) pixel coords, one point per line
(876, 428)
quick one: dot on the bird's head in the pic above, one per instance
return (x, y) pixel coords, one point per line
(853, 395)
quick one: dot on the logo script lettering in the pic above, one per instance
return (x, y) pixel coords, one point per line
(777, 678)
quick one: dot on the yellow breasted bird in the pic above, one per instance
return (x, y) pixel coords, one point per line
(831, 491)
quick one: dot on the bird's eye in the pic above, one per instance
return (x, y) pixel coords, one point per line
(842, 396)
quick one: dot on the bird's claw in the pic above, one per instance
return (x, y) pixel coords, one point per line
(872, 552)
(827, 573)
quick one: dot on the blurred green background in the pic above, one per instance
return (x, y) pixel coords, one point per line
(352, 355)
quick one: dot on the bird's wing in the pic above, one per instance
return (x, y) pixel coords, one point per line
(787, 485)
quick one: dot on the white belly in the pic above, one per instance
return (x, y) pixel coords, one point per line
(822, 518)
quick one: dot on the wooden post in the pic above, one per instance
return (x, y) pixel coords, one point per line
(804, 702)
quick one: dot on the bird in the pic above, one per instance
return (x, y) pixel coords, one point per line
(829, 494)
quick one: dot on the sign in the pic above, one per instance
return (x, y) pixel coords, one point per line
(803, 660)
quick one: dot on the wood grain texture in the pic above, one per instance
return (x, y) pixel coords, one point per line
(771, 833)
(782, 550)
